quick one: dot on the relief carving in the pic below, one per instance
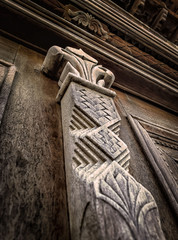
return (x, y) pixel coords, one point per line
(87, 20)
(134, 203)
(160, 147)
(160, 19)
(104, 201)
(78, 63)
(137, 7)
(97, 144)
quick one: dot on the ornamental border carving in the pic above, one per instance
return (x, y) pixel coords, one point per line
(157, 161)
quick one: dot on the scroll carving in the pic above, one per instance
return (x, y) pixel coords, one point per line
(104, 201)
(94, 25)
(87, 20)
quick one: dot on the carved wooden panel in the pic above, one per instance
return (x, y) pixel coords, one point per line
(161, 148)
(104, 201)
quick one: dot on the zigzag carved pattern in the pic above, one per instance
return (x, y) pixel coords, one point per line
(80, 120)
(95, 127)
(100, 108)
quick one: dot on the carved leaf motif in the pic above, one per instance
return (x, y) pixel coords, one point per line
(133, 202)
(87, 20)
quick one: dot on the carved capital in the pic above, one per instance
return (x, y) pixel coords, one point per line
(76, 61)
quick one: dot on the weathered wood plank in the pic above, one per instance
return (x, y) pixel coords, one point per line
(33, 195)
(7, 75)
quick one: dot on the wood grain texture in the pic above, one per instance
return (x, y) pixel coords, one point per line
(162, 171)
(33, 191)
(8, 49)
(7, 75)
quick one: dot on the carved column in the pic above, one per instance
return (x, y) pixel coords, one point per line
(105, 201)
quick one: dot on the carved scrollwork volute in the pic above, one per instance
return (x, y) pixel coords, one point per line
(87, 20)
(60, 62)
(104, 201)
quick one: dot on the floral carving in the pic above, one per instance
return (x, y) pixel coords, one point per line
(134, 203)
(87, 20)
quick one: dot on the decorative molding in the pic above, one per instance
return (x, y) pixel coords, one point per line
(160, 19)
(7, 75)
(158, 160)
(87, 20)
(137, 6)
(118, 18)
(153, 13)
(103, 32)
(160, 84)
(160, 135)
(100, 191)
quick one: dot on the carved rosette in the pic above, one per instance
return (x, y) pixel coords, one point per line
(104, 201)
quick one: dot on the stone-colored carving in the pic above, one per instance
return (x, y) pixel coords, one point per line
(91, 140)
(93, 152)
(135, 205)
(104, 201)
(7, 74)
(160, 19)
(87, 20)
(78, 63)
(137, 7)
(97, 143)
(100, 108)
